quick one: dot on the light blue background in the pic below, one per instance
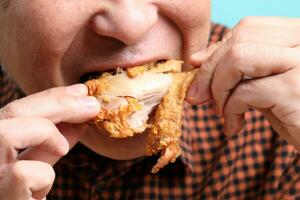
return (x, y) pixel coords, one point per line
(229, 12)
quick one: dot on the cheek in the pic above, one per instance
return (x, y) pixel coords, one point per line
(35, 37)
(195, 12)
(193, 19)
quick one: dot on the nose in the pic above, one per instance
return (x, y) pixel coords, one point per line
(125, 20)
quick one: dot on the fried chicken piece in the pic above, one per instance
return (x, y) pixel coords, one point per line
(166, 123)
(129, 97)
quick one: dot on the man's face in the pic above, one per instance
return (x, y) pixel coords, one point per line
(48, 43)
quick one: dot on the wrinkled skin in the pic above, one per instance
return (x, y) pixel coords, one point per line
(45, 44)
(47, 40)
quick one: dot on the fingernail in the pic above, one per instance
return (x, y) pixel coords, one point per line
(79, 89)
(217, 110)
(89, 102)
(198, 92)
(236, 129)
(227, 129)
(192, 92)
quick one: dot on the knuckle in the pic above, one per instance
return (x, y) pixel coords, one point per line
(247, 21)
(245, 87)
(237, 54)
(7, 153)
(50, 174)
(255, 87)
(58, 148)
(292, 85)
(64, 101)
(17, 182)
(46, 127)
(18, 174)
(47, 124)
(11, 110)
(241, 35)
(52, 137)
(61, 151)
(208, 66)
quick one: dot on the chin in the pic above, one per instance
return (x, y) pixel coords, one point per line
(99, 141)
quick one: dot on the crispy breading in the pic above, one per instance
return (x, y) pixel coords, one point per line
(161, 67)
(165, 128)
(164, 125)
(115, 122)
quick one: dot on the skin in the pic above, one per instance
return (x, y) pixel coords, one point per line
(47, 40)
(45, 44)
(259, 59)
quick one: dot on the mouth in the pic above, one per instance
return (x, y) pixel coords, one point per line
(95, 74)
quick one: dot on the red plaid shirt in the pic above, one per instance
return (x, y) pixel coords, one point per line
(256, 164)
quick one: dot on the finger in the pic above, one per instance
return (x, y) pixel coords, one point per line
(7, 153)
(196, 60)
(250, 60)
(245, 32)
(199, 57)
(271, 35)
(33, 176)
(199, 90)
(72, 133)
(38, 131)
(257, 94)
(253, 93)
(43, 141)
(206, 58)
(284, 131)
(283, 22)
(61, 108)
(279, 128)
(75, 90)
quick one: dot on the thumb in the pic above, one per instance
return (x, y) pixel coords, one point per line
(197, 58)
(194, 94)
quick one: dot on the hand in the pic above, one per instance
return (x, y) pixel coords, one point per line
(42, 125)
(256, 65)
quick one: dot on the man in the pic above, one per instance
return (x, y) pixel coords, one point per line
(51, 44)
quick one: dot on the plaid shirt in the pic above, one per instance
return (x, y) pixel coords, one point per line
(256, 164)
